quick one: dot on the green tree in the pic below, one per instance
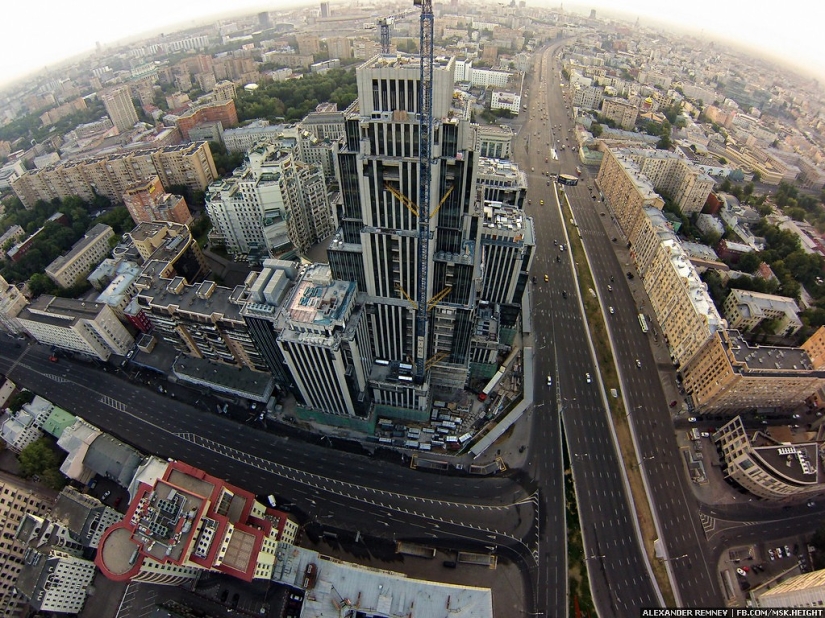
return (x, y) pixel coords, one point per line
(18, 400)
(757, 177)
(723, 160)
(596, 129)
(39, 458)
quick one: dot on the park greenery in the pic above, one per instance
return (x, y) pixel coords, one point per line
(41, 459)
(293, 99)
(794, 267)
(30, 128)
(56, 238)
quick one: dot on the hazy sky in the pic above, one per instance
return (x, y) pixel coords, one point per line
(40, 32)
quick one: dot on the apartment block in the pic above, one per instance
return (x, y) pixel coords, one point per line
(119, 106)
(631, 177)
(730, 375)
(20, 429)
(169, 250)
(76, 325)
(70, 269)
(621, 112)
(768, 468)
(201, 320)
(308, 44)
(624, 187)
(12, 302)
(273, 204)
(85, 517)
(339, 47)
(222, 111)
(15, 232)
(147, 202)
(494, 141)
(805, 590)
(17, 499)
(745, 311)
(678, 297)
(325, 343)
(224, 91)
(501, 181)
(258, 131)
(55, 576)
(183, 522)
(110, 175)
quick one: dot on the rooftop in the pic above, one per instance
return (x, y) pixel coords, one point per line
(767, 357)
(376, 592)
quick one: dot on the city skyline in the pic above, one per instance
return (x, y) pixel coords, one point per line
(785, 35)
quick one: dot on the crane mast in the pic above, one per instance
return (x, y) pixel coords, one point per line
(425, 140)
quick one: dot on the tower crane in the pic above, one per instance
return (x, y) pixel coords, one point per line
(425, 141)
(384, 24)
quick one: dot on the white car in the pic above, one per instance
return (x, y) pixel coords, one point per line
(741, 572)
(638, 363)
(587, 378)
(691, 419)
(549, 380)
(611, 310)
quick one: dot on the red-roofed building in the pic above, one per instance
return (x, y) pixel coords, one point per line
(185, 521)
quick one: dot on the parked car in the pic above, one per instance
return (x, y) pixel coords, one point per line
(106, 494)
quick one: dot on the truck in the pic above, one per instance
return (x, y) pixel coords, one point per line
(482, 396)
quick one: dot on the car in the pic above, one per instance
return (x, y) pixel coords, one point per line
(629, 274)
(788, 551)
(534, 278)
(610, 309)
(533, 169)
(797, 416)
(811, 503)
(561, 247)
(53, 358)
(691, 419)
(741, 572)
(638, 363)
(779, 553)
(587, 378)
(771, 555)
(705, 434)
(555, 242)
(541, 202)
(673, 403)
(548, 183)
(549, 380)
(546, 278)
(564, 293)
(609, 288)
(106, 494)
(224, 594)
(529, 202)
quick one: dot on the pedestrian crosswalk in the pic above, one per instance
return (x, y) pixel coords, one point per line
(113, 403)
(56, 378)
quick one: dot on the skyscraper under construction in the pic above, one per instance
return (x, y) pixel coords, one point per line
(479, 254)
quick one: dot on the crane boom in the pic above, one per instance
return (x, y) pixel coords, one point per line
(425, 140)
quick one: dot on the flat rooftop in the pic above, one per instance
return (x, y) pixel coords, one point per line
(797, 463)
(768, 357)
(375, 592)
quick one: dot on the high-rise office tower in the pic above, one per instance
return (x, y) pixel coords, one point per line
(119, 106)
(376, 244)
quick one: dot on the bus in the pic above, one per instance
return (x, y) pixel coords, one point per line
(643, 322)
(567, 179)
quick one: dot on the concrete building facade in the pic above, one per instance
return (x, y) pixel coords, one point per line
(147, 202)
(76, 325)
(730, 375)
(19, 498)
(766, 468)
(110, 175)
(745, 311)
(119, 106)
(70, 269)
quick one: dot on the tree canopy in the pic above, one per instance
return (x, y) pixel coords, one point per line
(293, 99)
(39, 458)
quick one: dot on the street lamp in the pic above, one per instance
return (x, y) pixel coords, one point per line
(673, 559)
